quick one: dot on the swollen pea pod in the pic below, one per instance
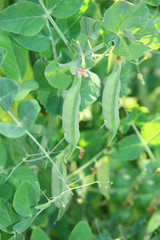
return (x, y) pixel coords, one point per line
(110, 109)
(70, 122)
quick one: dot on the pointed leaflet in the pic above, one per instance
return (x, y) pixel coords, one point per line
(38, 233)
(110, 109)
(8, 92)
(81, 231)
(7, 217)
(25, 18)
(28, 111)
(63, 8)
(15, 62)
(25, 198)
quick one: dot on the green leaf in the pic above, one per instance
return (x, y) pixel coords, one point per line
(151, 132)
(11, 130)
(7, 217)
(25, 197)
(23, 225)
(154, 222)
(90, 89)
(38, 43)
(38, 233)
(153, 2)
(23, 173)
(129, 148)
(58, 7)
(6, 191)
(28, 111)
(3, 53)
(47, 95)
(89, 26)
(59, 183)
(58, 77)
(25, 18)
(139, 115)
(25, 88)
(17, 237)
(15, 63)
(43, 206)
(3, 156)
(102, 167)
(81, 231)
(8, 92)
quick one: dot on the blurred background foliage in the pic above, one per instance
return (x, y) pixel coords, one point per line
(128, 206)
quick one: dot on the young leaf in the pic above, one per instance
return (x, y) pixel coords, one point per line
(8, 92)
(17, 237)
(25, 18)
(58, 77)
(25, 198)
(81, 231)
(7, 217)
(3, 156)
(58, 7)
(25, 88)
(130, 148)
(28, 111)
(15, 62)
(38, 233)
(90, 89)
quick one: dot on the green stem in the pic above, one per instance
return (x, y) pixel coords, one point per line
(90, 51)
(55, 26)
(52, 40)
(100, 58)
(83, 65)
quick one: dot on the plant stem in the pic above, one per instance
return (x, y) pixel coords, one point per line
(96, 48)
(147, 148)
(100, 58)
(52, 40)
(55, 26)
(87, 164)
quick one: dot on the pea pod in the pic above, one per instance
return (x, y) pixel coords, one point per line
(110, 96)
(70, 122)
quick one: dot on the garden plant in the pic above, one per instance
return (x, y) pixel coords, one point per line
(79, 120)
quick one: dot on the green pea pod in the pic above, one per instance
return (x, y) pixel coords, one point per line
(110, 109)
(59, 184)
(70, 122)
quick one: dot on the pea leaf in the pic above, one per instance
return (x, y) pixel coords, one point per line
(8, 92)
(81, 231)
(25, 88)
(3, 155)
(15, 62)
(6, 191)
(25, 18)
(38, 43)
(129, 148)
(47, 95)
(7, 217)
(24, 198)
(17, 237)
(10, 130)
(151, 132)
(58, 77)
(23, 225)
(28, 111)
(154, 222)
(90, 89)
(153, 2)
(38, 233)
(58, 7)
(89, 26)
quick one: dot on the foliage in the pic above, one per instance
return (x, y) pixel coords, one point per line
(80, 119)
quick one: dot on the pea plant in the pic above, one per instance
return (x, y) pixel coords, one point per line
(74, 94)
